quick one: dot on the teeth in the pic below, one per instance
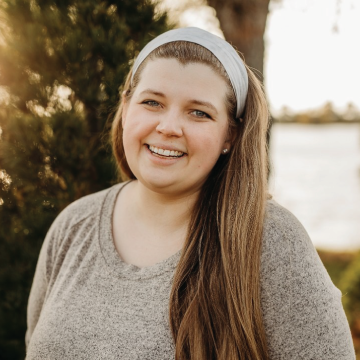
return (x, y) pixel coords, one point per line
(163, 152)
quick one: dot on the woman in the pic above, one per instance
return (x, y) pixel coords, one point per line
(188, 259)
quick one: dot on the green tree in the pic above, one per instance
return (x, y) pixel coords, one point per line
(61, 64)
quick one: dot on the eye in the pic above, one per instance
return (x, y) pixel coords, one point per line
(151, 103)
(201, 114)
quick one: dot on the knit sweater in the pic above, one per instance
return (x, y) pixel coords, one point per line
(86, 303)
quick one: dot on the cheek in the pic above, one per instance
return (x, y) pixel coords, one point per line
(208, 143)
(131, 140)
(132, 146)
(213, 138)
(135, 128)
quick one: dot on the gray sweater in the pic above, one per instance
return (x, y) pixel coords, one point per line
(86, 303)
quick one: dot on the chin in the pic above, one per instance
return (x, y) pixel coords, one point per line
(161, 186)
(174, 188)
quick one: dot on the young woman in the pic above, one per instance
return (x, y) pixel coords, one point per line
(189, 259)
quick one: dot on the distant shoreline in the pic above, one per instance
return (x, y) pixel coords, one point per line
(315, 121)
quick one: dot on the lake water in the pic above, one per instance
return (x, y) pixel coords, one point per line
(316, 175)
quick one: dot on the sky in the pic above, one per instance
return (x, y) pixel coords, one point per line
(312, 52)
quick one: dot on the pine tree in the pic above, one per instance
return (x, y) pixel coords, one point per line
(61, 65)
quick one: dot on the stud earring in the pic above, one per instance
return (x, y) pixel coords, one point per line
(225, 151)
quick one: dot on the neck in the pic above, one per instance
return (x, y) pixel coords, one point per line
(163, 211)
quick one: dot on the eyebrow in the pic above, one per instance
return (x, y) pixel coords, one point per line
(154, 92)
(204, 103)
(192, 101)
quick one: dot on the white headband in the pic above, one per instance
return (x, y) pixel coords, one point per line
(223, 51)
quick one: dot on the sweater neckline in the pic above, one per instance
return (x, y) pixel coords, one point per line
(112, 258)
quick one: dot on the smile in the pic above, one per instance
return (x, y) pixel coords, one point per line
(165, 152)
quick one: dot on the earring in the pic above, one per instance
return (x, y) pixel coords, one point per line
(225, 151)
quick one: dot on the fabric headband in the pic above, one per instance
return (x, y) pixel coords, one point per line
(222, 50)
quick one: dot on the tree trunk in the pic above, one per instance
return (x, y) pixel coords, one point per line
(243, 24)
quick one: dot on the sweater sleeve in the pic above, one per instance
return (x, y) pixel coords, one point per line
(53, 251)
(303, 313)
(41, 280)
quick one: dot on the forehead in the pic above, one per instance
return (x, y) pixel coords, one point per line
(174, 78)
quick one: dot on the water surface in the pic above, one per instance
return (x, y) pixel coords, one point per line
(316, 175)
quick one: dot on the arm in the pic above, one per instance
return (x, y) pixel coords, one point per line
(54, 250)
(303, 314)
(41, 281)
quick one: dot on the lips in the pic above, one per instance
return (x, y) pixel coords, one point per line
(165, 152)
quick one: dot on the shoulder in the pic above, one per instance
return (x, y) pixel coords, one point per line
(77, 218)
(281, 223)
(287, 250)
(287, 243)
(285, 236)
(72, 226)
(86, 207)
(299, 301)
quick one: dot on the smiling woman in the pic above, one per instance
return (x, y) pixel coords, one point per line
(189, 258)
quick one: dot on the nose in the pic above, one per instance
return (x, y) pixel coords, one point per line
(170, 124)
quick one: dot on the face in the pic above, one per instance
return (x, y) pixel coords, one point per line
(175, 126)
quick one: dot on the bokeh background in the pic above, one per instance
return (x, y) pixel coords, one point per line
(62, 64)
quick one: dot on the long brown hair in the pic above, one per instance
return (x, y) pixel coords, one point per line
(215, 310)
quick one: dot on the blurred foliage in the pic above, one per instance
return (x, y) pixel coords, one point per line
(344, 270)
(336, 263)
(61, 64)
(351, 290)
